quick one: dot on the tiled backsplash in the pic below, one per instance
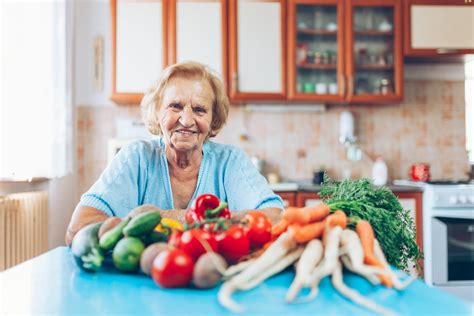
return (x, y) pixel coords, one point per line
(429, 126)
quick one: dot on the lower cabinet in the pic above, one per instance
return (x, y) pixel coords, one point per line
(289, 198)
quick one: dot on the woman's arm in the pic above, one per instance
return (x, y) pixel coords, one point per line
(82, 216)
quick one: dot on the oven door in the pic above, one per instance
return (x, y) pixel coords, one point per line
(453, 251)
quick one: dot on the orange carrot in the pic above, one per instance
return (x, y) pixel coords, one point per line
(306, 215)
(303, 234)
(367, 236)
(279, 228)
(338, 218)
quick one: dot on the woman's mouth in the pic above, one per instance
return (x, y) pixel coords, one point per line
(185, 132)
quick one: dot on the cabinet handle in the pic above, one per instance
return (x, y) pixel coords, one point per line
(351, 86)
(343, 84)
(446, 50)
(235, 82)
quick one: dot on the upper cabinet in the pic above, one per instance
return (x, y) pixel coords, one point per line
(316, 50)
(257, 49)
(139, 51)
(345, 51)
(374, 58)
(438, 27)
(198, 31)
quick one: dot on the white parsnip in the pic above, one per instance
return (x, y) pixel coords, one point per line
(397, 284)
(285, 262)
(351, 247)
(310, 257)
(371, 277)
(236, 268)
(269, 258)
(353, 295)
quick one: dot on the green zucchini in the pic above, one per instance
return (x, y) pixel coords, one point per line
(111, 237)
(142, 224)
(86, 249)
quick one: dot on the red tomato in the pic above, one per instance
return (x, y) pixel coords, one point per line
(172, 268)
(258, 228)
(192, 241)
(233, 244)
(175, 238)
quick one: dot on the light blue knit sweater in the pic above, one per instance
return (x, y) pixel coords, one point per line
(139, 175)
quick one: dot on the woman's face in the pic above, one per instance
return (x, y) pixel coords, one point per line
(185, 113)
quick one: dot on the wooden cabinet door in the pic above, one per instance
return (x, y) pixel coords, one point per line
(438, 27)
(315, 50)
(307, 199)
(374, 61)
(257, 43)
(413, 201)
(139, 36)
(198, 32)
(289, 198)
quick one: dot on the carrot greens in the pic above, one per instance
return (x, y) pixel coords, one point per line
(393, 226)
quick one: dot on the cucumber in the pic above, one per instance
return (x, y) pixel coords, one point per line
(142, 224)
(111, 237)
(86, 249)
(127, 252)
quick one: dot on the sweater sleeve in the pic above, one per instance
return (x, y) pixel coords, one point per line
(245, 187)
(116, 192)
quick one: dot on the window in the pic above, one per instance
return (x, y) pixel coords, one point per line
(36, 108)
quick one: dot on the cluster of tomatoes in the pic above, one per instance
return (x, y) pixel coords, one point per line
(229, 238)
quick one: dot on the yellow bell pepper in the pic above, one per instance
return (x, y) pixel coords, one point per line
(168, 224)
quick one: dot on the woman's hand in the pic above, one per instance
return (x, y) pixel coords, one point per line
(273, 214)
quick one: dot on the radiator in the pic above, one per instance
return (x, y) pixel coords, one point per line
(23, 227)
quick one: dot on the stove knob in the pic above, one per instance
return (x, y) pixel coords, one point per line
(453, 199)
(471, 199)
(462, 199)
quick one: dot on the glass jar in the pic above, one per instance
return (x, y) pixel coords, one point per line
(386, 86)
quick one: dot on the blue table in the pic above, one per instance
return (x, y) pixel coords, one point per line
(53, 284)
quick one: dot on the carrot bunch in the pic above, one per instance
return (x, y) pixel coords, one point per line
(307, 223)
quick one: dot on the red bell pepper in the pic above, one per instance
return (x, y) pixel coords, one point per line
(206, 206)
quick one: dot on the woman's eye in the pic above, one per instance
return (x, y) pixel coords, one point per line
(199, 109)
(175, 106)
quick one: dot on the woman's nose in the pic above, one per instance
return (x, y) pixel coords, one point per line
(186, 118)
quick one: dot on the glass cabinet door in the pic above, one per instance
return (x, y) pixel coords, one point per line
(315, 51)
(375, 63)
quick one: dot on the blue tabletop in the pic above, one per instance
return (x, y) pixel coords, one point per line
(53, 284)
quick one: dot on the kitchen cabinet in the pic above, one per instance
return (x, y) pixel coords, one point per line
(139, 47)
(257, 50)
(198, 31)
(413, 201)
(289, 198)
(307, 199)
(438, 27)
(345, 51)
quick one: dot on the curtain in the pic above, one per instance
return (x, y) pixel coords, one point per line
(36, 101)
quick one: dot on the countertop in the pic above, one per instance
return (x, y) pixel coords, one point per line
(308, 186)
(53, 284)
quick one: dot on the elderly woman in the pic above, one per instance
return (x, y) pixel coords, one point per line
(186, 107)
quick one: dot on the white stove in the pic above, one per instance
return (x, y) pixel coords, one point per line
(448, 236)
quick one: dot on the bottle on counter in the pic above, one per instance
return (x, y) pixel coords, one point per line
(379, 172)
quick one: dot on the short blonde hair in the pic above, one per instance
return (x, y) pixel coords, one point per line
(152, 99)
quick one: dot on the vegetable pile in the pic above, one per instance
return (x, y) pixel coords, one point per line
(174, 255)
(358, 227)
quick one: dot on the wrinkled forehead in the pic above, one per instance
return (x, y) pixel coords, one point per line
(188, 90)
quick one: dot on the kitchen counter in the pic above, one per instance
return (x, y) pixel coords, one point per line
(53, 284)
(308, 186)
